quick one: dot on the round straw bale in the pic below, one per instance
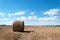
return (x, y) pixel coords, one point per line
(18, 26)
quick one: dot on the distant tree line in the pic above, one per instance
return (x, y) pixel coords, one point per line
(57, 25)
(2, 25)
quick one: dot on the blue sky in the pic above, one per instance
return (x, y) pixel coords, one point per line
(32, 12)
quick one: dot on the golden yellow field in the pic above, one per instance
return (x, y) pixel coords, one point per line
(30, 33)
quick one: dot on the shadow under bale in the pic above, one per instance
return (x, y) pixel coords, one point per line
(18, 26)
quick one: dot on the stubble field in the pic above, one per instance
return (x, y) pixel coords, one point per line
(30, 33)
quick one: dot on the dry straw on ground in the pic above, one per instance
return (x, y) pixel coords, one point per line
(18, 26)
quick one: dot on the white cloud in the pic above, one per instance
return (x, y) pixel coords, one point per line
(7, 23)
(4, 19)
(22, 18)
(51, 12)
(32, 17)
(1, 14)
(29, 18)
(38, 23)
(20, 13)
(17, 13)
(32, 13)
(48, 18)
(10, 15)
(35, 18)
(32, 20)
(43, 21)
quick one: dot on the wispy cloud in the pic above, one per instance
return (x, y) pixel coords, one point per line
(1, 14)
(48, 18)
(20, 13)
(10, 15)
(4, 19)
(32, 13)
(28, 18)
(51, 12)
(17, 13)
(31, 19)
(22, 18)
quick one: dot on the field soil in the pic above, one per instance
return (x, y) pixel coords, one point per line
(30, 33)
